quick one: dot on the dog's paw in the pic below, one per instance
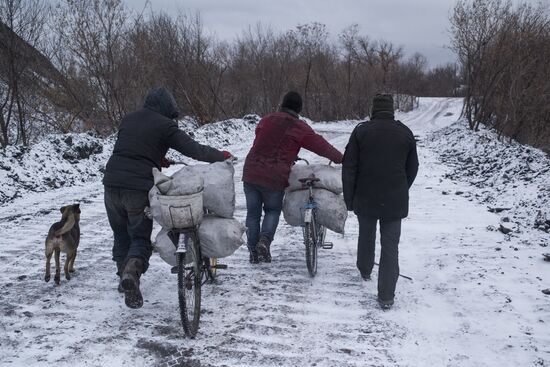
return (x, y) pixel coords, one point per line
(47, 278)
(71, 270)
(68, 276)
(57, 280)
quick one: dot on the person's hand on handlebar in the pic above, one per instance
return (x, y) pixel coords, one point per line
(165, 162)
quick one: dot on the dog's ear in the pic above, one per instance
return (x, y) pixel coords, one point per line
(77, 208)
(63, 208)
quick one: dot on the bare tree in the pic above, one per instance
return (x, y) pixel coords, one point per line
(503, 52)
(21, 32)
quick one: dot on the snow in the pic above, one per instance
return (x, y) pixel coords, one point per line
(475, 299)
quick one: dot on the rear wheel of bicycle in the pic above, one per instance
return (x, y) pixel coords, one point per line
(311, 248)
(189, 285)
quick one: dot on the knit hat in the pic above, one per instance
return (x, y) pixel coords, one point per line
(382, 103)
(293, 101)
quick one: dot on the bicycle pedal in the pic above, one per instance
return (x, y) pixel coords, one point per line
(219, 266)
(328, 245)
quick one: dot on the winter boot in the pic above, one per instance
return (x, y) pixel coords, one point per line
(365, 276)
(254, 257)
(263, 249)
(130, 283)
(385, 304)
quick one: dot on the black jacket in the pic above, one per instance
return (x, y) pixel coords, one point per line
(379, 167)
(144, 137)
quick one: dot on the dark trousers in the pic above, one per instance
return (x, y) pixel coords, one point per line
(131, 228)
(258, 198)
(388, 271)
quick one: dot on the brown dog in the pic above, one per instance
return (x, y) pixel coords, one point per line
(63, 236)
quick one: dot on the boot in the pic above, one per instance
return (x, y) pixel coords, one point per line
(385, 304)
(254, 257)
(130, 283)
(263, 249)
(365, 276)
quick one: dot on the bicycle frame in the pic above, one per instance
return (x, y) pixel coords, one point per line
(206, 268)
(310, 206)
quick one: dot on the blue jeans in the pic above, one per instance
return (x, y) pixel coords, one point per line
(131, 228)
(258, 198)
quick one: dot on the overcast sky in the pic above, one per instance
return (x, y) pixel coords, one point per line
(417, 25)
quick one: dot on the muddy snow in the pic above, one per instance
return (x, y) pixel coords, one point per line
(475, 298)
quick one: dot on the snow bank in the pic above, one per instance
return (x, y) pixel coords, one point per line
(57, 161)
(72, 159)
(508, 177)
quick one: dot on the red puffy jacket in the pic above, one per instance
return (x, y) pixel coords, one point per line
(279, 137)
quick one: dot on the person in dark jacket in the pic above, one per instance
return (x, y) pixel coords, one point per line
(144, 137)
(279, 138)
(380, 165)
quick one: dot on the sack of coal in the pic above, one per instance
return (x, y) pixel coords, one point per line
(167, 250)
(220, 237)
(176, 204)
(165, 247)
(330, 177)
(331, 209)
(219, 185)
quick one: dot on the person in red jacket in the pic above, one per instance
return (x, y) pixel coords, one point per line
(279, 138)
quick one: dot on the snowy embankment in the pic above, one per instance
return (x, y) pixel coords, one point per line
(475, 299)
(508, 177)
(75, 159)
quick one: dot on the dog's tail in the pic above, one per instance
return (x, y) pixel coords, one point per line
(68, 224)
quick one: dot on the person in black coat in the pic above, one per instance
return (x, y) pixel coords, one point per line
(380, 165)
(144, 137)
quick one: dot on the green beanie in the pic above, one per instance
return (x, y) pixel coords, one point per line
(382, 103)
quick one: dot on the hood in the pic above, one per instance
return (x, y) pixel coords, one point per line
(161, 101)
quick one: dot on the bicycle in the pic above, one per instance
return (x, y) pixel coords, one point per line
(193, 271)
(314, 233)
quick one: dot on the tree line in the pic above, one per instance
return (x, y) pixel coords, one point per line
(84, 64)
(504, 54)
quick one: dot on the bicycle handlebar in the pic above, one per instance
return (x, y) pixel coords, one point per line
(307, 162)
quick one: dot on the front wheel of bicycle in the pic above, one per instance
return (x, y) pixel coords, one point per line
(189, 285)
(311, 248)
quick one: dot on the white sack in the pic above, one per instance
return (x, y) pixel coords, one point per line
(154, 204)
(165, 247)
(220, 237)
(331, 208)
(168, 187)
(173, 186)
(219, 185)
(331, 177)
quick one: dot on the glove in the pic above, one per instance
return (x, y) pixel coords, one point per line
(165, 163)
(349, 206)
(226, 154)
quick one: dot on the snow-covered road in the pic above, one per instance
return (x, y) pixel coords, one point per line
(475, 299)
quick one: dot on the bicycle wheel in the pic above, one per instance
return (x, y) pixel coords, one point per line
(310, 241)
(189, 285)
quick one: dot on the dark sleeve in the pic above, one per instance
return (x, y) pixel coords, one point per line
(177, 139)
(317, 144)
(349, 169)
(412, 164)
